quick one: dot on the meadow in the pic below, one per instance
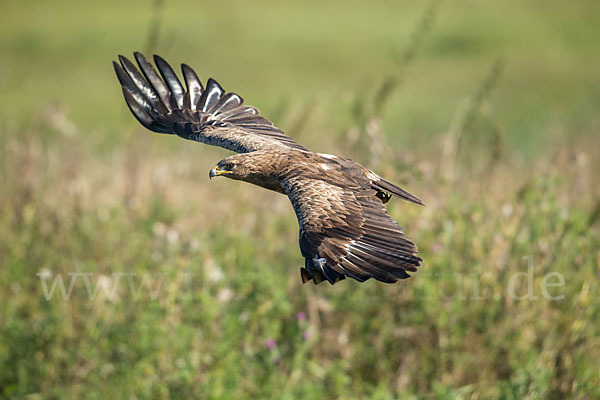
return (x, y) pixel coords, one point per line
(126, 273)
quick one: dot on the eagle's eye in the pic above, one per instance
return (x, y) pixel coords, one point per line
(229, 166)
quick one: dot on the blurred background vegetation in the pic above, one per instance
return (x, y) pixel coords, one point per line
(486, 110)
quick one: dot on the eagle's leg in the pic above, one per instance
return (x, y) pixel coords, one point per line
(319, 273)
(316, 269)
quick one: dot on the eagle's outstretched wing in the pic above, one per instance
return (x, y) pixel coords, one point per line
(346, 231)
(208, 115)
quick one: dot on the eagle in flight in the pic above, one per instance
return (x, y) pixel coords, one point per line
(345, 230)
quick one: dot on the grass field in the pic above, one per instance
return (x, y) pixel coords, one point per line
(125, 274)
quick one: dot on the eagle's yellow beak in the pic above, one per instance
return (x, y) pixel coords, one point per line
(216, 172)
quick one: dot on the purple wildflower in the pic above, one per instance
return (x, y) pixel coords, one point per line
(306, 335)
(301, 316)
(270, 344)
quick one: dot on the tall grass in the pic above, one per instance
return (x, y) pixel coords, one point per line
(211, 303)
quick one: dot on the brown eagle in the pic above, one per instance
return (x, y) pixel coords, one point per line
(344, 227)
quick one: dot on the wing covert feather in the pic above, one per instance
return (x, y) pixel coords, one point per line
(345, 231)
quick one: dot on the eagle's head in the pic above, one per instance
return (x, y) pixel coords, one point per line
(236, 167)
(225, 167)
(256, 168)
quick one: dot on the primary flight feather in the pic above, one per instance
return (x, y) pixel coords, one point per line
(345, 230)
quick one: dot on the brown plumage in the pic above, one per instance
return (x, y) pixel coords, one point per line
(344, 227)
